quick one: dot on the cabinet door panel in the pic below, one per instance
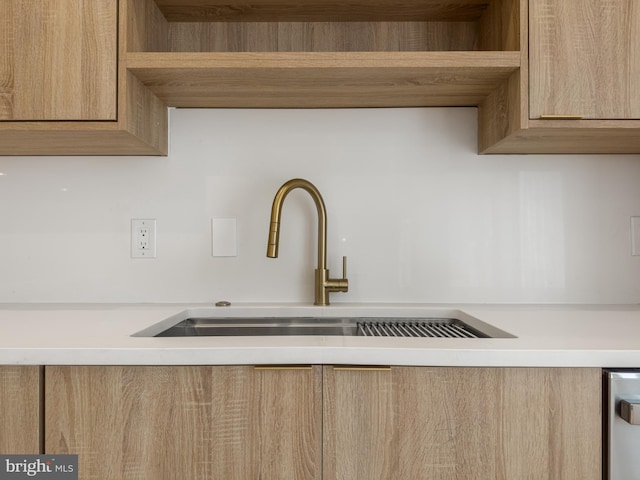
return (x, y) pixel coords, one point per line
(19, 410)
(414, 423)
(186, 422)
(585, 58)
(58, 59)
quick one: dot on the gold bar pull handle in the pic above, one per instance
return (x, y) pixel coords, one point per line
(560, 117)
(362, 368)
(282, 367)
(344, 267)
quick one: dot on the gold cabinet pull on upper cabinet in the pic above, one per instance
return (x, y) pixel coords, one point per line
(560, 117)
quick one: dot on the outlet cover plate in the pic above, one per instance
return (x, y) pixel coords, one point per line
(143, 238)
(224, 241)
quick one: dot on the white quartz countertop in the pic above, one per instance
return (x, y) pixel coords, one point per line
(546, 336)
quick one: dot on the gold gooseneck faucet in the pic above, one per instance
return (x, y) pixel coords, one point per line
(323, 285)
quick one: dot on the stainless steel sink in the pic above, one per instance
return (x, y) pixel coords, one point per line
(425, 327)
(196, 327)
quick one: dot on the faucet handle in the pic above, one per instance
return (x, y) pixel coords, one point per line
(332, 284)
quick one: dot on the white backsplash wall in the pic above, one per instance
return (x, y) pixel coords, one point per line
(421, 217)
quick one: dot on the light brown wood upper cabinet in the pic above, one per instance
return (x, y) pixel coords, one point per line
(419, 423)
(193, 422)
(121, 63)
(585, 58)
(58, 59)
(578, 88)
(19, 410)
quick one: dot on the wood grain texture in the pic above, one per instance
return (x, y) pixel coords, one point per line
(322, 79)
(554, 423)
(462, 423)
(146, 28)
(20, 410)
(585, 58)
(500, 26)
(322, 36)
(569, 136)
(499, 114)
(186, 422)
(505, 112)
(58, 59)
(141, 127)
(72, 138)
(143, 115)
(321, 10)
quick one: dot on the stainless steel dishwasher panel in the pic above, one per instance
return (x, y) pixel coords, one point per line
(622, 424)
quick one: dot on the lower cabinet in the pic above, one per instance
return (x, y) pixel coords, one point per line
(412, 423)
(331, 422)
(186, 422)
(19, 410)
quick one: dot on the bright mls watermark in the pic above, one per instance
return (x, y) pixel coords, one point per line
(49, 467)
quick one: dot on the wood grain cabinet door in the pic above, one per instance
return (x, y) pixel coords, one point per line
(419, 423)
(19, 410)
(585, 58)
(58, 59)
(202, 422)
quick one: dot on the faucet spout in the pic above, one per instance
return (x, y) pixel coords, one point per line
(323, 283)
(276, 214)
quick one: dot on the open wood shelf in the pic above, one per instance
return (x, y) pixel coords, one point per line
(318, 80)
(320, 37)
(323, 54)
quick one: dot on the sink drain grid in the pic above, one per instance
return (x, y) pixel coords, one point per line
(441, 328)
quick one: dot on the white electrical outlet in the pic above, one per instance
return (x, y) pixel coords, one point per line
(143, 238)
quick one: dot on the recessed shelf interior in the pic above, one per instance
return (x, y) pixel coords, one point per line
(320, 26)
(322, 36)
